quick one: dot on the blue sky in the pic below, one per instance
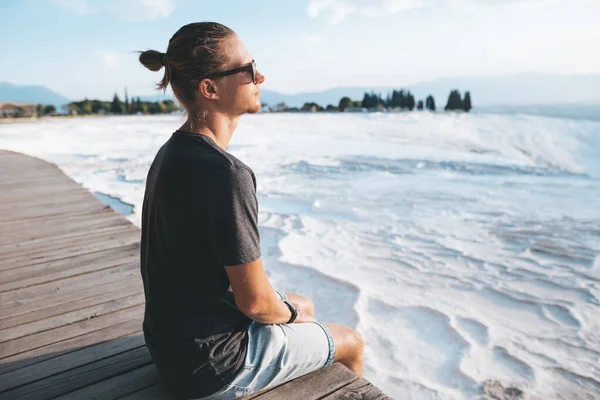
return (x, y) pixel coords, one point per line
(84, 48)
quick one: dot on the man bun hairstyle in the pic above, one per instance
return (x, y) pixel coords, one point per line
(195, 50)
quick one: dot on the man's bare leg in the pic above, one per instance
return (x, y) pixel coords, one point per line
(349, 347)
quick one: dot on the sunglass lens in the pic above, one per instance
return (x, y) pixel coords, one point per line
(254, 72)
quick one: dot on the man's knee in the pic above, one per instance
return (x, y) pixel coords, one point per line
(309, 306)
(349, 343)
(358, 344)
(302, 302)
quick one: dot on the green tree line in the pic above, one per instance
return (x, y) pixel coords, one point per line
(398, 99)
(119, 107)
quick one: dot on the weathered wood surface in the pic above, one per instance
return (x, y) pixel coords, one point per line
(72, 300)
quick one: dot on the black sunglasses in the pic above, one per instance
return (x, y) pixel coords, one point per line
(247, 68)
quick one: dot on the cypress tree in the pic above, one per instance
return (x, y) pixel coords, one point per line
(410, 101)
(394, 101)
(454, 101)
(126, 101)
(467, 102)
(116, 107)
(430, 103)
(365, 100)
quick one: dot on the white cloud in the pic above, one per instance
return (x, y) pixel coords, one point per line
(338, 10)
(142, 9)
(315, 39)
(468, 4)
(123, 9)
(76, 6)
(109, 58)
(386, 7)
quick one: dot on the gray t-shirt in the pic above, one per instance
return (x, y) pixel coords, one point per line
(200, 213)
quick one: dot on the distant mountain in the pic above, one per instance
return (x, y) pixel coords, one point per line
(43, 95)
(589, 111)
(156, 97)
(31, 94)
(516, 89)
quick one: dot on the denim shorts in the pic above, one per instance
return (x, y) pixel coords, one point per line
(279, 353)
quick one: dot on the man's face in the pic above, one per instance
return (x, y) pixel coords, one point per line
(237, 94)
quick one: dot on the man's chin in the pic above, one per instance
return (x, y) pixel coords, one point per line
(254, 109)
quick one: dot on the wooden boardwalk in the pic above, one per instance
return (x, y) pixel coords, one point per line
(72, 300)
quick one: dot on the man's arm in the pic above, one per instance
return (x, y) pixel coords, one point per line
(255, 296)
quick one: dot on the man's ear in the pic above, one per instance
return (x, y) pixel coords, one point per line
(208, 89)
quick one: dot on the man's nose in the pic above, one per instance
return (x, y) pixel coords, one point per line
(260, 78)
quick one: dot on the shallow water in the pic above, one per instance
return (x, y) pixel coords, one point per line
(463, 247)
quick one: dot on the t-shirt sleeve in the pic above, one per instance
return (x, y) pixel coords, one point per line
(232, 217)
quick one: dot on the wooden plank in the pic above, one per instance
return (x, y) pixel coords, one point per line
(10, 206)
(50, 211)
(111, 256)
(87, 224)
(51, 291)
(30, 177)
(56, 221)
(67, 361)
(16, 203)
(81, 376)
(17, 161)
(85, 269)
(50, 247)
(33, 180)
(32, 356)
(118, 386)
(360, 389)
(13, 170)
(155, 392)
(29, 192)
(69, 302)
(32, 249)
(36, 178)
(313, 386)
(36, 340)
(65, 240)
(25, 165)
(337, 373)
(13, 158)
(122, 302)
(21, 233)
(41, 179)
(128, 239)
(20, 182)
(21, 157)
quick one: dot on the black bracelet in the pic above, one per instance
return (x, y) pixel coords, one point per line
(294, 311)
